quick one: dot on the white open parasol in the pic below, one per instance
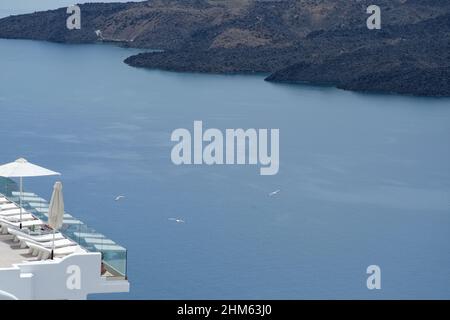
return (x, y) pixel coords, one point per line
(22, 168)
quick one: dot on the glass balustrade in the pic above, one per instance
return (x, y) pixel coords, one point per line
(114, 256)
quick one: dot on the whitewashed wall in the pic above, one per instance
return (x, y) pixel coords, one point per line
(73, 277)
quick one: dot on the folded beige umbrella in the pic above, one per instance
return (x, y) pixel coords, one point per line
(56, 211)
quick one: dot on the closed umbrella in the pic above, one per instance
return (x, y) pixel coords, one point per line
(22, 168)
(56, 211)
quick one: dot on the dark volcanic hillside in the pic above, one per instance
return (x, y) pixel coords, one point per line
(315, 41)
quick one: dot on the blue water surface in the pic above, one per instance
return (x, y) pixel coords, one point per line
(364, 179)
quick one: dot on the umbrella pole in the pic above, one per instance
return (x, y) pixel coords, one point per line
(20, 200)
(53, 246)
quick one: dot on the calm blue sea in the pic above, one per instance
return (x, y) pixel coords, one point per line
(364, 179)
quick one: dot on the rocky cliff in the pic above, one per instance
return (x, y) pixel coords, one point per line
(313, 41)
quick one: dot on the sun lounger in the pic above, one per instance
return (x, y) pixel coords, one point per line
(44, 253)
(72, 221)
(36, 238)
(36, 205)
(98, 241)
(88, 235)
(24, 194)
(31, 223)
(8, 206)
(5, 224)
(43, 211)
(11, 212)
(100, 247)
(61, 243)
(16, 217)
